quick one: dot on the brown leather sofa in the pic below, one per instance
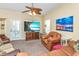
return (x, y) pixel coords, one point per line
(65, 50)
(51, 39)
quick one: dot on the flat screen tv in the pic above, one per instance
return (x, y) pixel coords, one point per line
(31, 26)
(65, 24)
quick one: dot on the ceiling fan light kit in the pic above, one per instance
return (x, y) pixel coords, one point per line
(31, 13)
(34, 13)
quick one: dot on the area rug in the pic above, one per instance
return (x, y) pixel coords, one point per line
(32, 46)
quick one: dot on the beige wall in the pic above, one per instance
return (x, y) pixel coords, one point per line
(65, 10)
(14, 15)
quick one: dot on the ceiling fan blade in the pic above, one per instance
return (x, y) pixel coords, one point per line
(25, 11)
(39, 13)
(28, 7)
(38, 9)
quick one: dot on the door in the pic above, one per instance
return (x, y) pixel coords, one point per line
(15, 30)
(47, 26)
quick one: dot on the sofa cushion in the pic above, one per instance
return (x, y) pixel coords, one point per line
(68, 50)
(76, 54)
(9, 50)
(57, 53)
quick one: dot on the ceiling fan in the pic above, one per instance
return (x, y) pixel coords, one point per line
(33, 10)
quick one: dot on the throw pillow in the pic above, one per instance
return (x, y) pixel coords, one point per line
(7, 48)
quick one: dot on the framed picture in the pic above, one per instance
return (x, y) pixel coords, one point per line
(65, 24)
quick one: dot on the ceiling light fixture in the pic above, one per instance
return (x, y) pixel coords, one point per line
(31, 13)
(33, 10)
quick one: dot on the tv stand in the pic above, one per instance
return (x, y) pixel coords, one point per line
(32, 35)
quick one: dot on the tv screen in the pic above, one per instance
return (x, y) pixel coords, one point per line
(32, 26)
(65, 24)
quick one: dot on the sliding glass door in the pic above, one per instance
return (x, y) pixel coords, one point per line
(15, 30)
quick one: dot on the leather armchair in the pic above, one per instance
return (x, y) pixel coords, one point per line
(51, 39)
(4, 38)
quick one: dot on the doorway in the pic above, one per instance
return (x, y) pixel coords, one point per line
(15, 30)
(47, 26)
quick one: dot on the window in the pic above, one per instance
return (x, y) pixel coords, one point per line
(47, 26)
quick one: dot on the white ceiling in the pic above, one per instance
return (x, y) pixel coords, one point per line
(21, 6)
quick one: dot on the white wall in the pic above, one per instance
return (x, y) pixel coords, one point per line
(13, 15)
(65, 10)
